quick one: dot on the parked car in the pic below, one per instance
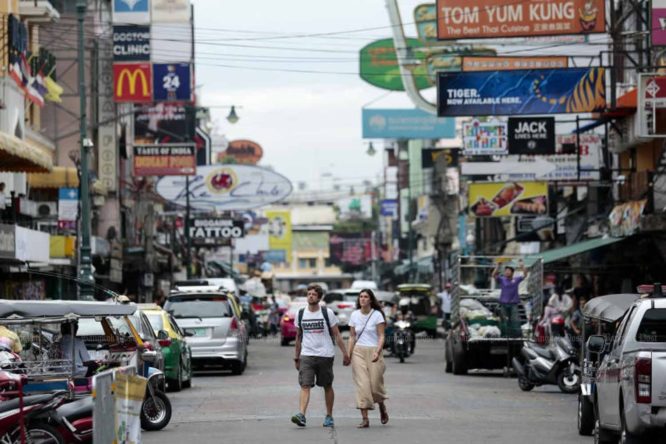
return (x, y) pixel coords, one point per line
(217, 333)
(343, 303)
(288, 329)
(631, 379)
(177, 352)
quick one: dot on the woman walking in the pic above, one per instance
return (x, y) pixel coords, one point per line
(366, 344)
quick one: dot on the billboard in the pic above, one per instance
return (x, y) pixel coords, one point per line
(460, 19)
(226, 188)
(163, 123)
(132, 82)
(389, 208)
(406, 124)
(167, 49)
(172, 82)
(484, 138)
(379, 65)
(175, 159)
(478, 63)
(490, 199)
(521, 92)
(279, 231)
(171, 10)
(68, 204)
(429, 157)
(244, 152)
(135, 12)
(531, 135)
(215, 231)
(131, 43)
(355, 207)
(659, 22)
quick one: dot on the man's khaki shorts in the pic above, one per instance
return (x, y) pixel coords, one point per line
(315, 368)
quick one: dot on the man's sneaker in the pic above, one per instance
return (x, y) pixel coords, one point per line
(299, 419)
(328, 421)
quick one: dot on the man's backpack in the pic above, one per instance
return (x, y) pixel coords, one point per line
(324, 312)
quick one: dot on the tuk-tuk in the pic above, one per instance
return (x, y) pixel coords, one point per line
(416, 300)
(601, 315)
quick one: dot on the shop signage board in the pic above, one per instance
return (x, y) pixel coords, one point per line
(166, 49)
(227, 187)
(135, 12)
(7, 242)
(171, 10)
(659, 22)
(531, 135)
(174, 159)
(379, 65)
(163, 123)
(107, 152)
(131, 43)
(484, 138)
(215, 231)
(406, 124)
(521, 92)
(132, 82)
(651, 104)
(429, 157)
(172, 82)
(479, 63)
(389, 208)
(280, 231)
(490, 199)
(536, 168)
(245, 152)
(68, 204)
(461, 19)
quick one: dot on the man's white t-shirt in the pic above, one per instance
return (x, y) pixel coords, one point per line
(369, 337)
(316, 337)
(445, 297)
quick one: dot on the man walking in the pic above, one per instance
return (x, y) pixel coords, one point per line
(510, 297)
(317, 329)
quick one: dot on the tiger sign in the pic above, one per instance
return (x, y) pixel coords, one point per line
(132, 82)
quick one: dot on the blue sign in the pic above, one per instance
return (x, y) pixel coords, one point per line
(68, 194)
(275, 256)
(389, 208)
(172, 82)
(131, 43)
(406, 124)
(130, 6)
(521, 92)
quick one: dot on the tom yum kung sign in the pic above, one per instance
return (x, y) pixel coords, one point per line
(215, 231)
(459, 19)
(175, 159)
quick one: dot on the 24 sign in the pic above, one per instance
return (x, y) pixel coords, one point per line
(172, 82)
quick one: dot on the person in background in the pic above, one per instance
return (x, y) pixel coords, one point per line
(10, 340)
(577, 323)
(445, 304)
(73, 348)
(510, 297)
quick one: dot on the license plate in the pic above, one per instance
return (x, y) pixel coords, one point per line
(97, 355)
(198, 332)
(499, 350)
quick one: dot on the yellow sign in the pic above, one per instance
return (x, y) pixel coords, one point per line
(508, 199)
(279, 231)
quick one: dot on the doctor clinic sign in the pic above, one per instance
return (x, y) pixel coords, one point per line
(132, 82)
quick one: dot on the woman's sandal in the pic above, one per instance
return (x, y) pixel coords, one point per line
(365, 423)
(383, 414)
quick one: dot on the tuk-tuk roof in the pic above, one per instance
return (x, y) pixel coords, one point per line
(386, 296)
(609, 308)
(414, 287)
(14, 310)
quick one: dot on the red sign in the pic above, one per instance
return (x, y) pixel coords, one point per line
(244, 152)
(132, 82)
(164, 160)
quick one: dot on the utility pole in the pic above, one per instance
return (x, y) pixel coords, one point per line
(86, 278)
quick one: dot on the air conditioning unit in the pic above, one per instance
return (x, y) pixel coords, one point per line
(47, 209)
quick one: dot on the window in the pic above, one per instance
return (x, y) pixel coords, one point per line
(302, 263)
(313, 263)
(653, 326)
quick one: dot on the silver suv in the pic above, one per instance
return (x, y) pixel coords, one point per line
(213, 331)
(631, 379)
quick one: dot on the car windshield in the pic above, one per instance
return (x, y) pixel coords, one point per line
(198, 308)
(155, 321)
(351, 298)
(653, 326)
(91, 327)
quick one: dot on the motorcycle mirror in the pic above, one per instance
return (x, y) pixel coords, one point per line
(149, 356)
(596, 343)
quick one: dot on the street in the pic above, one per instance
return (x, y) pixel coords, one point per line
(425, 405)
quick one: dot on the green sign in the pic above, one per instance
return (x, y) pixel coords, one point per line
(425, 17)
(379, 65)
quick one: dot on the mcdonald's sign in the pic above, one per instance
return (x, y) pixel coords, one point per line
(132, 82)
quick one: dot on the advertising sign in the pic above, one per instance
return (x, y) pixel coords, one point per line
(172, 82)
(227, 187)
(531, 135)
(128, 392)
(163, 123)
(167, 49)
(7, 241)
(135, 12)
(244, 152)
(429, 157)
(521, 92)
(279, 231)
(355, 207)
(625, 218)
(659, 22)
(406, 124)
(215, 231)
(171, 10)
(107, 153)
(489, 199)
(379, 65)
(131, 43)
(68, 204)
(164, 160)
(132, 82)
(425, 17)
(651, 105)
(484, 138)
(460, 19)
(475, 63)
(389, 208)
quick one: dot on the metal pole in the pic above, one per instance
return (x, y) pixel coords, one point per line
(577, 148)
(86, 278)
(188, 239)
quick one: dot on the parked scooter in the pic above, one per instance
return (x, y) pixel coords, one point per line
(72, 421)
(553, 364)
(156, 408)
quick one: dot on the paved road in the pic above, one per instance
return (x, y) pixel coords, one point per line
(426, 406)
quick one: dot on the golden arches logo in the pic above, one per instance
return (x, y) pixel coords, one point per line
(132, 77)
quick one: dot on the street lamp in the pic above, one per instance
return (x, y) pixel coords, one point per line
(232, 117)
(371, 150)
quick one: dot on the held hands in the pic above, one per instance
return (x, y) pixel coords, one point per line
(346, 360)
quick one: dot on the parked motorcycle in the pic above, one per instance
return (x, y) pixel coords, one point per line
(72, 421)
(156, 408)
(11, 414)
(554, 364)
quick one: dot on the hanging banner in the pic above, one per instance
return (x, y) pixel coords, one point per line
(489, 199)
(131, 43)
(165, 48)
(659, 22)
(132, 82)
(164, 160)
(215, 231)
(473, 63)
(484, 138)
(521, 92)
(172, 82)
(279, 231)
(406, 124)
(531, 135)
(460, 19)
(135, 12)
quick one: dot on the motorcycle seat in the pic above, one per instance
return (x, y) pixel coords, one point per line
(542, 351)
(12, 404)
(82, 408)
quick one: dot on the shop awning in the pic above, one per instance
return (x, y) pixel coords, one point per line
(19, 156)
(572, 250)
(63, 177)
